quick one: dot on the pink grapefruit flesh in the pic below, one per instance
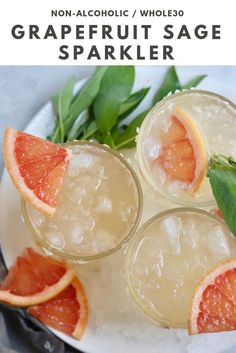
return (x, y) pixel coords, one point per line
(37, 168)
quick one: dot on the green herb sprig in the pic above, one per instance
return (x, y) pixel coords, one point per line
(100, 108)
(222, 176)
(99, 111)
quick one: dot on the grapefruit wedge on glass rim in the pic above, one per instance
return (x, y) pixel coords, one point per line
(34, 279)
(183, 155)
(37, 168)
(66, 312)
(213, 307)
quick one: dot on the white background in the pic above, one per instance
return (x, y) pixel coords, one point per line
(186, 52)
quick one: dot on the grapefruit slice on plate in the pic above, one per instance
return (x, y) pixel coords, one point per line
(213, 307)
(37, 168)
(67, 312)
(183, 155)
(33, 279)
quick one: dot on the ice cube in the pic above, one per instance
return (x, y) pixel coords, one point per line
(152, 148)
(96, 183)
(55, 238)
(89, 223)
(158, 265)
(172, 226)
(101, 170)
(78, 193)
(159, 174)
(190, 234)
(80, 161)
(164, 121)
(85, 160)
(74, 167)
(104, 205)
(77, 234)
(104, 240)
(217, 243)
(176, 187)
(197, 109)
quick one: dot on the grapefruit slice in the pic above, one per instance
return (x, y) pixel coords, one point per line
(33, 279)
(213, 307)
(183, 155)
(37, 168)
(67, 312)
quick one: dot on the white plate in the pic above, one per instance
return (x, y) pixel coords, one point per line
(115, 324)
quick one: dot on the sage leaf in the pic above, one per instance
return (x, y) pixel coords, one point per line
(132, 102)
(193, 82)
(117, 132)
(170, 84)
(108, 140)
(85, 96)
(115, 89)
(90, 131)
(78, 126)
(222, 176)
(64, 98)
(61, 104)
(97, 111)
(127, 138)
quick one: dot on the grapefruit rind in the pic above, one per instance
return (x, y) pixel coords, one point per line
(46, 294)
(82, 299)
(196, 140)
(13, 170)
(56, 322)
(209, 279)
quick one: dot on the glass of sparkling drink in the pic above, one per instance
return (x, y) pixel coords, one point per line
(169, 255)
(99, 208)
(176, 140)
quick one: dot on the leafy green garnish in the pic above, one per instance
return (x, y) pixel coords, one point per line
(91, 130)
(127, 138)
(87, 94)
(79, 125)
(64, 98)
(170, 84)
(222, 176)
(132, 102)
(193, 82)
(80, 102)
(115, 89)
(98, 111)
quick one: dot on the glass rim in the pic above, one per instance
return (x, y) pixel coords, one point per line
(136, 242)
(142, 164)
(87, 258)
